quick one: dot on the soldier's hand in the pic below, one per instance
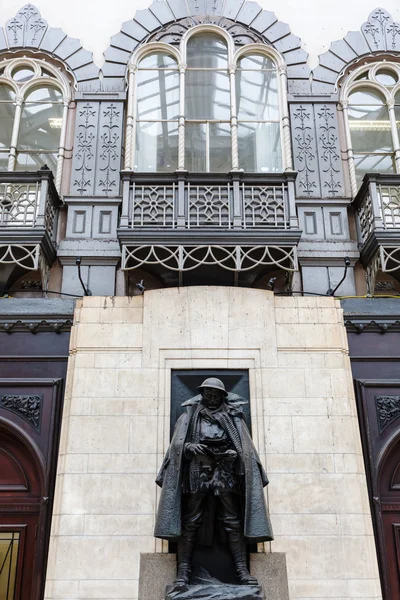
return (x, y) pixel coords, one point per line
(195, 449)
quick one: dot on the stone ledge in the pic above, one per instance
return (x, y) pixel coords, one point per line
(158, 570)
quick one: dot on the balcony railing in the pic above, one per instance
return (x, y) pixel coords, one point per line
(182, 201)
(378, 204)
(184, 221)
(378, 220)
(29, 206)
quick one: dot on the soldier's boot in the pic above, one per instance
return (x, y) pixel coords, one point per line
(184, 556)
(238, 549)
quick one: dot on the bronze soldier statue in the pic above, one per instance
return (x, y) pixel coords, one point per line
(212, 456)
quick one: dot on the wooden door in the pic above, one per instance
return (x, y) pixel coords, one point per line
(389, 497)
(20, 502)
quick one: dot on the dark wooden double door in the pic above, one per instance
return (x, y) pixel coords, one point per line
(379, 410)
(31, 390)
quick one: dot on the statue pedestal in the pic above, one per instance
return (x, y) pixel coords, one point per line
(158, 570)
(214, 591)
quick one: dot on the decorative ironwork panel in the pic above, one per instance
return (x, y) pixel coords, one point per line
(304, 141)
(328, 151)
(389, 258)
(389, 198)
(387, 410)
(209, 206)
(27, 407)
(26, 257)
(18, 204)
(231, 258)
(365, 217)
(83, 164)
(153, 205)
(316, 150)
(109, 145)
(9, 549)
(265, 206)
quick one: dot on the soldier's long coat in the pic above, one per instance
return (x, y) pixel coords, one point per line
(257, 526)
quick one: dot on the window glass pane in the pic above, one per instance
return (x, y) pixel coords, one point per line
(397, 112)
(207, 50)
(366, 96)
(156, 147)
(7, 112)
(257, 95)
(369, 163)
(9, 550)
(44, 94)
(23, 74)
(40, 126)
(260, 147)
(195, 147)
(158, 95)
(370, 128)
(3, 161)
(207, 95)
(6, 93)
(157, 60)
(220, 147)
(255, 61)
(386, 77)
(36, 160)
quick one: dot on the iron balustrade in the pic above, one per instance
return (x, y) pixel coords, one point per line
(194, 201)
(378, 204)
(29, 201)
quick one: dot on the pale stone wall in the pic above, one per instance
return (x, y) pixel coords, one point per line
(116, 429)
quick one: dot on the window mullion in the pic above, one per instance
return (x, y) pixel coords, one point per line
(15, 132)
(207, 147)
(395, 134)
(234, 120)
(181, 125)
(352, 170)
(61, 150)
(131, 121)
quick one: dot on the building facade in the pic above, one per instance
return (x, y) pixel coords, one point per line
(198, 204)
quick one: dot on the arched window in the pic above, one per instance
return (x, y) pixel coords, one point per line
(371, 103)
(207, 108)
(258, 114)
(34, 98)
(157, 113)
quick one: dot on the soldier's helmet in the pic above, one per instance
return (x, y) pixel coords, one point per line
(213, 382)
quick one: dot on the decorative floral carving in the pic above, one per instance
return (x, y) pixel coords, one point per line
(27, 407)
(329, 155)
(172, 34)
(394, 31)
(85, 140)
(27, 27)
(109, 146)
(304, 150)
(387, 409)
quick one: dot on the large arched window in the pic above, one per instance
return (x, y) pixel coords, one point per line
(371, 102)
(34, 98)
(157, 113)
(207, 107)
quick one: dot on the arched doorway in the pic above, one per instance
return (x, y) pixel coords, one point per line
(389, 498)
(21, 486)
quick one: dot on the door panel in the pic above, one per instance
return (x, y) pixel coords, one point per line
(379, 414)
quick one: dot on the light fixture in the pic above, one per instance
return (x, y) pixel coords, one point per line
(55, 122)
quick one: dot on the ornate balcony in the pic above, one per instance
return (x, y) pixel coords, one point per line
(29, 205)
(378, 219)
(180, 222)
